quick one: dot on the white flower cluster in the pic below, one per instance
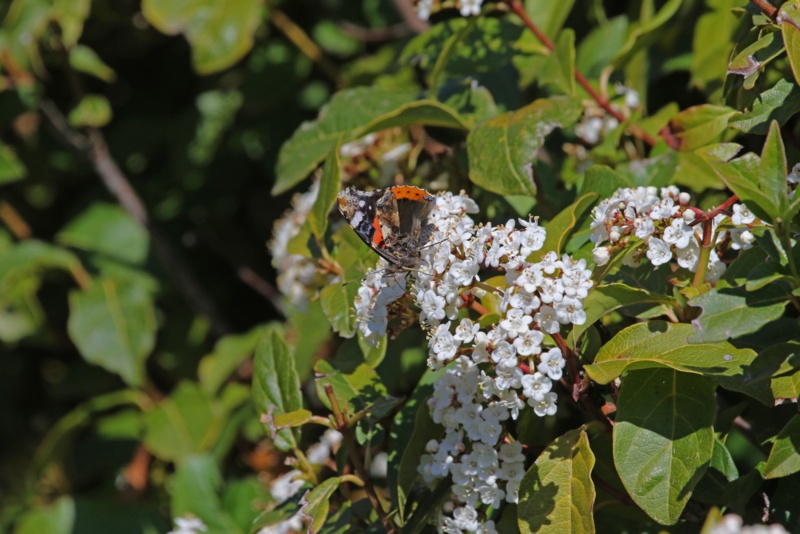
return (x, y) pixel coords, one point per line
(188, 525)
(295, 272)
(466, 7)
(733, 524)
(287, 485)
(663, 222)
(495, 370)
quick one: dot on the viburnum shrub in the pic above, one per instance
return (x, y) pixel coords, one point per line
(583, 317)
(612, 357)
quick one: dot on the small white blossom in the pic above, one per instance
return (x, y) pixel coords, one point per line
(658, 251)
(188, 525)
(741, 215)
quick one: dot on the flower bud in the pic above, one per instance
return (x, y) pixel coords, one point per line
(747, 237)
(689, 216)
(684, 198)
(601, 255)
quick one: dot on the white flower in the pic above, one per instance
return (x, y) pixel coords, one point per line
(742, 215)
(516, 323)
(547, 319)
(741, 238)
(443, 344)
(688, 257)
(545, 406)
(552, 364)
(658, 251)
(286, 486)
(664, 209)
(466, 330)
(535, 386)
(678, 233)
(505, 355)
(188, 525)
(470, 7)
(432, 306)
(601, 255)
(529, 343)
(644, 227)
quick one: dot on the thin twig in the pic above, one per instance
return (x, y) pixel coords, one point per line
(94, 148)
(11, 217)
(766, 8)
(261, 286)
(304, 43)
(519, 10)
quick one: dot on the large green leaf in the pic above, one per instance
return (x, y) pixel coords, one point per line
(645, 32)
(502, 149)
(711, 44)
(32, 255)
(316, 503)
(777, 371)
(353, 113)
(108, 229)
(113, 325)
(784, 458)
(181, 425)
(220, 33)
(663, 438)
(790, 28)
(196, 490)
(563, 225)
(742, 177)
(732, 313)
(596, 50)
(276, 386)
(702, 125)
(558, 69)
(337, 303)
(557, 493)
(772, 179)
(661, 344)
(778, 103)
(605, 299)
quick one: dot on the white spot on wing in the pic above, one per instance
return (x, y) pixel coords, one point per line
(356, 220)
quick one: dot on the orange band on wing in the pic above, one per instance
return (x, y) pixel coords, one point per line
(409, 192)
(377, 237)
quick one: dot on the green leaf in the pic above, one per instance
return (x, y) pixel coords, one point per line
(70, 16)
(411, 429)
(772, 179)
(182, 424)
(291, 419)
(561, 227)
(329, 186)
(644, 33)
(502, 149)
(11, 168)
(663, 438)
(31, 256)
(711, 45)
(781, 366)
(784, 458)
(316, 503)
(549, 15)
(702, 125)
(337, 303)
(220, 33)
(557, 493)
(605, 299)
(58, 517)
(84, 59)
(558, 69)
(790, 28)
(196, 489)
(108, 229)
(597, 49)
(742, 177)
(749, 61)
(354, 390)
(276, 386)
(604, 181)
(229, 353)
(113, 325)
(732, 313)
(778, 103)
(92, 110)
(661, 344)
(354, 113)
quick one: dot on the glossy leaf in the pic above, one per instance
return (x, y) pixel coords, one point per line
(557, 493)
(596, 50)
(276, 386)
(661, 344)
(778, 103)
(772, 179)
(605, 299)
(220, 34)
(790, 28)
(354, 113)
(558, 70)
(663, 438)
(329, 185)
(784, 458)
(353, 390)
(113, 325)
(701, 125)
(742, 177)
(337, 303)
(604, 181)
(711, 47)
(732, 313)
(501, 150)
(316, 503)
(107, 229)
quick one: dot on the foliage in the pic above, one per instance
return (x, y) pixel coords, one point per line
(601, 335)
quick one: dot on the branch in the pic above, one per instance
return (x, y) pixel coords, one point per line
(94, 148)
(604, 103)
(766, 8)
(304, 43)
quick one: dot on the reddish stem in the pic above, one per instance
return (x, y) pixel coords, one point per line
(519, 10)
(766, 8)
